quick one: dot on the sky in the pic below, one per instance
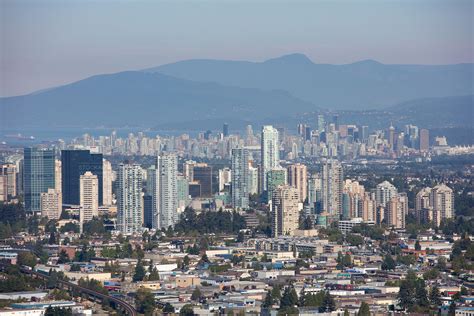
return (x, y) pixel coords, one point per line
(46, 43)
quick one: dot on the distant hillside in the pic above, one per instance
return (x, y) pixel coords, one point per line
(362, 85)
(143, 99)
(436, 112)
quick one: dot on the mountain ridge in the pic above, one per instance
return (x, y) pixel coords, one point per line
(365, 84)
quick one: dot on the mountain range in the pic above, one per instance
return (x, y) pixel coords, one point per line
(204, 93)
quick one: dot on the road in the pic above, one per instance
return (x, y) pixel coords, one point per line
(122, 305)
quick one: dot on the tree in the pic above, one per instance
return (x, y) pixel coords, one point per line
(441, 265)
(329, 304)
(196, 295)
(168, 308)
(289, 310)
(364, 309)
(421, 294)
(431, 274)
(145, 301)
(186, 261)
(139, 274)
(417, 246)
(276, 293)
(204, 259)
(346, 312)
(388, 263)
(435, 296)
(268, 301)
(452, 309)
(186, 310)
(354, 240)
(406, 295)
(63, 257)
(26, 259)
(289, 297)
(154, 275)
(52, 280)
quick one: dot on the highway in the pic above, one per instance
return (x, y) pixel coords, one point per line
(119, 304)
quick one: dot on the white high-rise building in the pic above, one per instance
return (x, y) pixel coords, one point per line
(384, 192)
(240, 172)
(129, 198)
(107, 179)
(57, 175)
(167, 165)
(89, 197)
(225, 177)
(58, 182)
(286, 209)
(270, 152)
(253, 180)
(442, 201)
(331, 187)
(51, 204)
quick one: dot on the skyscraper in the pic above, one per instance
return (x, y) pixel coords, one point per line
(331, 187)
(275, 178)
(253, 180)
(315, 193)
(202, 173)
(9, 171)
(225, 177)
(153, 190)
(38, 176)
(3, 188)
(88, 197)
(167, 165)
(396, 210)
(298, 178)
(321, 123)
(148, 211)
(75, 163)
(225, 129)
(51, 206)
(391, 137)
(107, 179)
(285, 211)
(442, 201)
(424, 140)
(270, 152)
(384, 192)
(240, 182)
(129, 198)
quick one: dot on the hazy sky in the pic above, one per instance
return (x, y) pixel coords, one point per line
(49, 43)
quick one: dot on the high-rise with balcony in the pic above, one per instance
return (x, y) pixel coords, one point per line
(240, 182)
(129, 198)
(270, 153)
(167, 166)
(88, 197)
(107, 179)
(285, 211)
(298, 178)
(331, 187)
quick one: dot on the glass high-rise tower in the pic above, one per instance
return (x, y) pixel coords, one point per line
(38, 176)
(74, 163)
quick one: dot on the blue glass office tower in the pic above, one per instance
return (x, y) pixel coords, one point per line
(75, 163)
(38, 176)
